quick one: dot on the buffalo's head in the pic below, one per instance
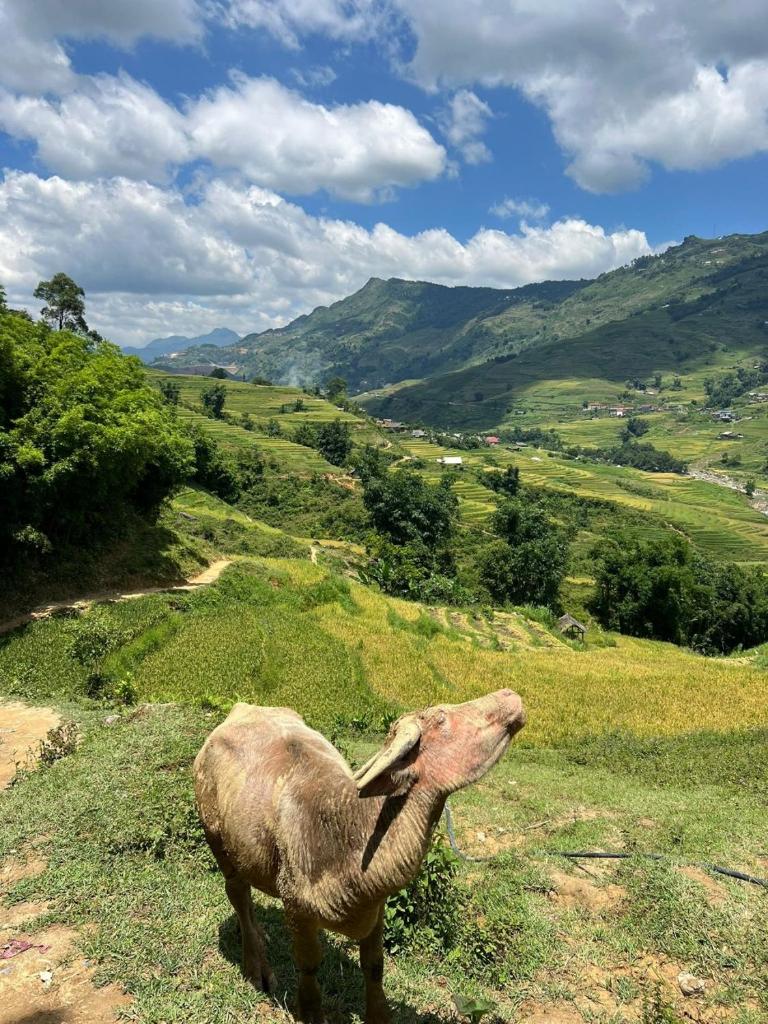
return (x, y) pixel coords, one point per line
(445, 747)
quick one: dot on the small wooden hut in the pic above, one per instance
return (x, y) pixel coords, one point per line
(571, 627)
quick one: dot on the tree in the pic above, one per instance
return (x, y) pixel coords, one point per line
(370, 461)
(405, 508)
(335, 389)
(218, 372)
(213, 399)
(274, 429)
(64, 305)
(334, 441)
(506, 482)
(84, 440)
(171, 391)
(635, 428)
(749, 487)
(528, 563)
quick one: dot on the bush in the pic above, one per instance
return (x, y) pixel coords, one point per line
(427, 912)
(528, 563)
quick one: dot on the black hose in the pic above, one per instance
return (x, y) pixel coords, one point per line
(594, 855)
(598, 855)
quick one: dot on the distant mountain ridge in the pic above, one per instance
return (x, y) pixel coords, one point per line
(396, 331)
(219, 336)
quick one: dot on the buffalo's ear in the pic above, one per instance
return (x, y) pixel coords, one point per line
(407, 734)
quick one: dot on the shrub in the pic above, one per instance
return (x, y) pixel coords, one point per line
(427, 912)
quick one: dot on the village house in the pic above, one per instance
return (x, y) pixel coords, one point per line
(387, 424)
(418, 433)
(492, 440)
(619, 410)
(596, 406)
(725, 416)
(451, 460)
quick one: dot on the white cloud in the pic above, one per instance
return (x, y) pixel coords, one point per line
(279, 139)
(32, 57)
(109, 125)
(463, 121)
(623, 81)
(289, 20)
(525, 209)
(153, 264)
(255, 126)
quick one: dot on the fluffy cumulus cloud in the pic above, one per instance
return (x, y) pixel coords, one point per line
(108, 125)
(271, 134)
(289, 20)
(245, 257)
(463, 121)
(279, 139)
(625, 82)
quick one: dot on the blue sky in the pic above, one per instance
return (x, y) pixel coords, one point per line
(236, 163)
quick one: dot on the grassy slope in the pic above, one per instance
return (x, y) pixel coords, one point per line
(264, 403)
(126, 860)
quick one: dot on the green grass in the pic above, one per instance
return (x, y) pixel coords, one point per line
(637, 747)
(127, 866)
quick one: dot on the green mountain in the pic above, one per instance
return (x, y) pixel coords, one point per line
(393, 330)
(403, 331)
(698, 310)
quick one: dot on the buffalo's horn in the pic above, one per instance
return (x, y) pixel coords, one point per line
(407, 735)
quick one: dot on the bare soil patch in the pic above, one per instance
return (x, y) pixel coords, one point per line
(21, 730)
(573, 891)
(55, 985)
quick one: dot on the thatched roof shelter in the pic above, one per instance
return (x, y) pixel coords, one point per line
(571, 627)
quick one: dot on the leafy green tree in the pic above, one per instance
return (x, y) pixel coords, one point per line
(506, 482)
(213, 399)
(528, 563)
(635, 428)
(334, 441)
(274, 429)
(750, 487)
(335, 389)
(370, 461)
(405, 508)
(171, 391)
(213, 470)
(64, 302)
(84, 439)
(219, 373)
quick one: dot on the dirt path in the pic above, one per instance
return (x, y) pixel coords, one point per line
(49, 982)
(209, 575)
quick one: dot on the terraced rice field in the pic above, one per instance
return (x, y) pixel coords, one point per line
(294, 457)
(263, 402)
(718, 520)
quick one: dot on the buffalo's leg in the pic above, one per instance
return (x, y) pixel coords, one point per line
(256, 966)
(307, 954)
(372, 963)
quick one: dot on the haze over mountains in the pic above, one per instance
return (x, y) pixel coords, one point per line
(460, 355)
(219, 336)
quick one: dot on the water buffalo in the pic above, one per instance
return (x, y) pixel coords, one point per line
(282, 811)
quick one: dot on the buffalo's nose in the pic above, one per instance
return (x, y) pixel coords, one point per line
(511, 708)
